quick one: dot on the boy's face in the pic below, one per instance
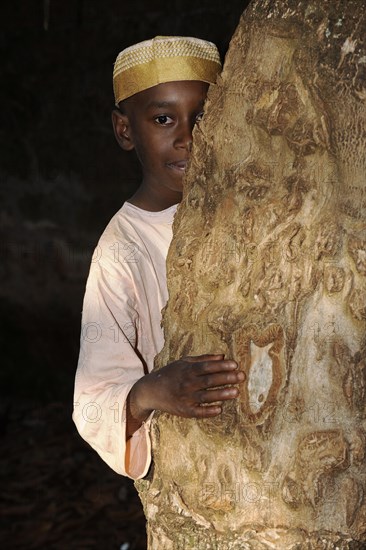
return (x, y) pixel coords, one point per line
(158, 124)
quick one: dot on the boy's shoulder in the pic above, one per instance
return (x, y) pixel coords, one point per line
(132, 234)
(119, 239)
(121, 227)
(131, 228)
(130, 218)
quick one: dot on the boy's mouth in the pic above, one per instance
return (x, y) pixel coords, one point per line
(179, 165)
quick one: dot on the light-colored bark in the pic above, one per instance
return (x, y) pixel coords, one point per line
(268, 265)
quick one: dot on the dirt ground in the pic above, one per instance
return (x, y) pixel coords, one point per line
(56, 492)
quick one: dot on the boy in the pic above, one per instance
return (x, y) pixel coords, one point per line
(160, 87)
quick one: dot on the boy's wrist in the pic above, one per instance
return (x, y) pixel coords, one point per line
(138, 406)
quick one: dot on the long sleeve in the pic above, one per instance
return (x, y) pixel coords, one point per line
(121, 334)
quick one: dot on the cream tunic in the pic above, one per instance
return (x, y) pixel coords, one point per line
(121, 333)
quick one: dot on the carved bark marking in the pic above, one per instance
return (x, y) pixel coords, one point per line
(357, 303)
(334, 278)
(357, 250)
(355, 497)
(258, 355)
(318, 454)
(260, 376)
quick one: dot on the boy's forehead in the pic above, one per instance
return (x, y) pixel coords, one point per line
(168, 93)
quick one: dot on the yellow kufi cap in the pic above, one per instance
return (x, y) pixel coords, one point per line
(164, 59)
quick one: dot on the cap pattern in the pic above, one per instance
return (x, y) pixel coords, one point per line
(149, 63)
(175, 46)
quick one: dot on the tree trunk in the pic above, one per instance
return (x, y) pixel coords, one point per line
(268, 265)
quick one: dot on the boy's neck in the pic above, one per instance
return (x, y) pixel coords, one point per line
(147, 199)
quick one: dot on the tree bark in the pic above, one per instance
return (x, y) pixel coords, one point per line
(268, 265)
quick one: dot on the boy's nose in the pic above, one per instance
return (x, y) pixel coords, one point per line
(184, 137)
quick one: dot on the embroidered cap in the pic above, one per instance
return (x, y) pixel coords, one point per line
(164, 59)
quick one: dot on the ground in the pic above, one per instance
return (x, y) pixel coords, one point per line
(56, 492)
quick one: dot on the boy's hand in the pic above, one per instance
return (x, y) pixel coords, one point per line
(185, 388)
(182, 387)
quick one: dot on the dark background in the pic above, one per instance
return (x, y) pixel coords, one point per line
(62, 178)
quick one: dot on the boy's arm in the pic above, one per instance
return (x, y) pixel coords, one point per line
(108, 368)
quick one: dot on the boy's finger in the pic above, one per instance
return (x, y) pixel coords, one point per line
(221, 379)
(204, 357)
(221, 394)
(211, 367)
(206, 412)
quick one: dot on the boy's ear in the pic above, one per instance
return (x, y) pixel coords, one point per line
(122, 130)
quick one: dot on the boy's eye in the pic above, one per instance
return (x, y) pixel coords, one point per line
(163, 119)
(199, 117)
